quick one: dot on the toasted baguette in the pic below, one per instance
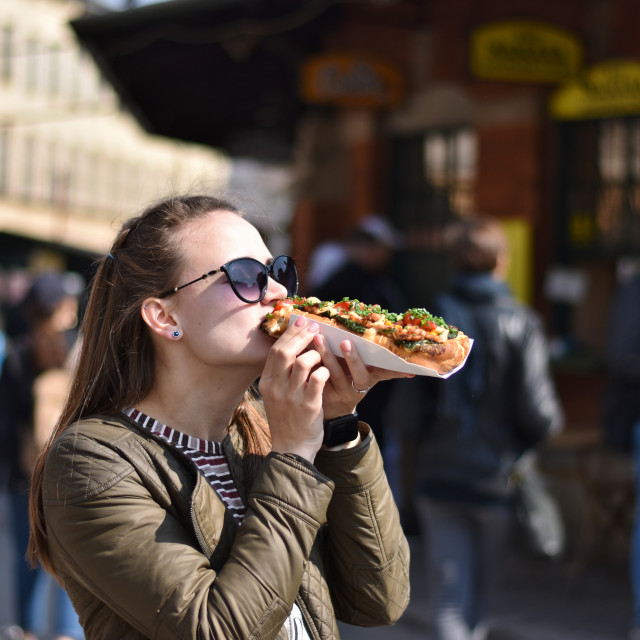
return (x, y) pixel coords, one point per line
(441, 357)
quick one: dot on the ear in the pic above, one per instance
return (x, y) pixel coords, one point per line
(159, 316)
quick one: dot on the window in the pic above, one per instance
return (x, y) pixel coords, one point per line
(28, 168)
(432, 183)
(450, 167)
(4, 159)
(601, 202)
(7, 52)
(31, 75)
(55, 56)
(598, 226)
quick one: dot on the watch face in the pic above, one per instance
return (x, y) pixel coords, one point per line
(340, 430)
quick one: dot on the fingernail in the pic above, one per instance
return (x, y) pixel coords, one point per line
(313, 327)
(318, 340)
(300, 321)
(346, 346)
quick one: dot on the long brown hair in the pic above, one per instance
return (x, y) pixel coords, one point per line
(115, 368)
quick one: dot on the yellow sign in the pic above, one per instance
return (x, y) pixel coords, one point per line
(348, 80)
(520, 273)
(524, 51)
(582, 229)
(607, 89)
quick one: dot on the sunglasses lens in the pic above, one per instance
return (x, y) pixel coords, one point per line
(285, 273)
(248, 279)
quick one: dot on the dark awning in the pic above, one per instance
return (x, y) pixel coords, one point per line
(218, 72)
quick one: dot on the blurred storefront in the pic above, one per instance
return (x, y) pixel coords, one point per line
(421, 110)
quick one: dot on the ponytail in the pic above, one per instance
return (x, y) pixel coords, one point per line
(252, 426)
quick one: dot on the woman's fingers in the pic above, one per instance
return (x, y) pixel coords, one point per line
(318, 380)
(360, 375)
(287, 348)
(292, 385)
(303, 366)
(336, 366)
(339, 397)
(364, 376)
(350, 378)
(315, 380)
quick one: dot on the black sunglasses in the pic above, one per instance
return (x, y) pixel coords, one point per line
(249, 278)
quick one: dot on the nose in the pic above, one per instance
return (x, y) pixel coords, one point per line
(275, 290)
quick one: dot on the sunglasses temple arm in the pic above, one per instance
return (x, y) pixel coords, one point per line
(202, 277)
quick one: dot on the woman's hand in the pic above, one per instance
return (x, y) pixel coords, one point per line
(350, 379)
(292, 385)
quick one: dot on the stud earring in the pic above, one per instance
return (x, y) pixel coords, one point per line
(176, 334)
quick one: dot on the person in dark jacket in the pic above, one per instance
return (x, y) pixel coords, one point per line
(364, 272)
(364, 275)
(50, 313)
(499, 405)
(623, 367)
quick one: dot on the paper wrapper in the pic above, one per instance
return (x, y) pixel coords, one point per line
(373, 354)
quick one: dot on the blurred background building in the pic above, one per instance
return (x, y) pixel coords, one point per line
(323, 111)
(72, 160)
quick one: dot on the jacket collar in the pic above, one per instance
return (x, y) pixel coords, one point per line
(479, 287)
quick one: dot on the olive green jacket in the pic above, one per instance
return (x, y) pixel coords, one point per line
(146, 548)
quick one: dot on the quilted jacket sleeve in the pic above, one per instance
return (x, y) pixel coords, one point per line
(368, 554)
(124, 538)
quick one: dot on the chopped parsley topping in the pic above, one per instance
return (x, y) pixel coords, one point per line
(423, 316)
(417, 316)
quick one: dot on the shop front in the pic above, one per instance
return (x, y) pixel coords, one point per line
(421, 112)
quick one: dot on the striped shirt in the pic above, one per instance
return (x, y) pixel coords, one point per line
(208, 456)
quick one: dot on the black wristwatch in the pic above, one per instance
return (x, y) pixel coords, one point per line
(340, 430)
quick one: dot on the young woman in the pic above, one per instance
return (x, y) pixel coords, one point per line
(169, 502)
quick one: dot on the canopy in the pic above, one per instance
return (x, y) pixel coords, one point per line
(218, 72)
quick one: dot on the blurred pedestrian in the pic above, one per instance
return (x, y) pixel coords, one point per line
(51, 313)
(622, 406)
(364, 274)
(8, 606)
(172, 502)
(477, 424)
(326, 259)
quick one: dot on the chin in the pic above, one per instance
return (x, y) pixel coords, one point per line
(257, 349)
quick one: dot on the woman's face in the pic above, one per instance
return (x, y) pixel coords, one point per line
(218, 327)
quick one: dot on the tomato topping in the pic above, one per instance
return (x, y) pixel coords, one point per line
(281, 304)
(409, 318)
(345, 304)
(422, 321)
